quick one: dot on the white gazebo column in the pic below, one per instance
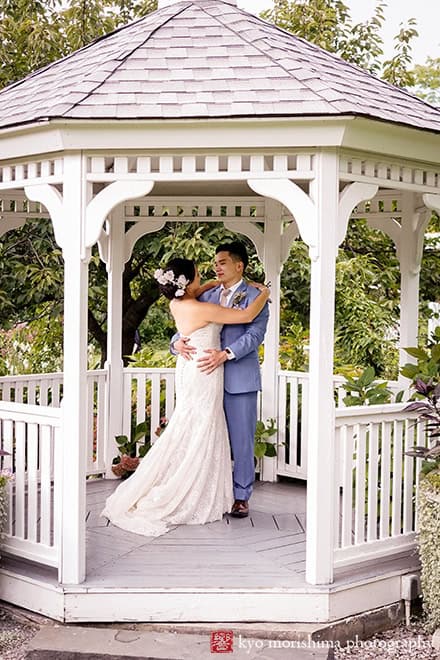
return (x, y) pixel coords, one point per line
(321, 219)
(273, 231)
(320, 471)
(410, 252)
(115, 247)
(114, 364)
(74, 425)
(68, 214)
(317, 219)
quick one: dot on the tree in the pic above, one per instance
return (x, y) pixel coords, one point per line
(426, 80)
(29, 37)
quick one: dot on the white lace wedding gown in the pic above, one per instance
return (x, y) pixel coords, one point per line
(186, 477)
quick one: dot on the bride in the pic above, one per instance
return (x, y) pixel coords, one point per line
(186, 477)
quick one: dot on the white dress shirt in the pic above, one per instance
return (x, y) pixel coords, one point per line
(232, 290)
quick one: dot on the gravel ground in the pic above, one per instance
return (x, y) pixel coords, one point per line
(17, 627)
(15, 631)
(400, 643)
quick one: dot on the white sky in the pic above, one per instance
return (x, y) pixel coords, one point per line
(427, 13)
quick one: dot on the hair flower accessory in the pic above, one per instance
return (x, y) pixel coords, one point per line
(167, 277)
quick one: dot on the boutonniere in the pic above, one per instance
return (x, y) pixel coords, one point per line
(238, 298)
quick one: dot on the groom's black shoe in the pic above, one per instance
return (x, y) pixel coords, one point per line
(240, 509)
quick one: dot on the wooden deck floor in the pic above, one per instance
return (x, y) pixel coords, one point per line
(251, 569)
(265, 550)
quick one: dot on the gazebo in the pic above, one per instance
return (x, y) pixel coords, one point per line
(203, 112)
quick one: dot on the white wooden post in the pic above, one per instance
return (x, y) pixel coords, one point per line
(68, 215)
(320, 474)
(321, 219)
(270, 367)
(410, 258)
(114, 363)
(74, 426)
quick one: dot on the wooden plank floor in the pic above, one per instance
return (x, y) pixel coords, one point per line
(265, 550)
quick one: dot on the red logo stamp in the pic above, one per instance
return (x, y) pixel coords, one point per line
(222, 641)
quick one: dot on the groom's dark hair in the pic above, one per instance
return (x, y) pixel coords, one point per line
(237, 250)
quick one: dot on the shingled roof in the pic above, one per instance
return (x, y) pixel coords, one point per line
(206, 59)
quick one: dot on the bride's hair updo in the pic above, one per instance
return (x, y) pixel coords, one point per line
(175, 277)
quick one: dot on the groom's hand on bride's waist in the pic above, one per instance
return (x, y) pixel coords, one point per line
(184, 349)
(213, 359)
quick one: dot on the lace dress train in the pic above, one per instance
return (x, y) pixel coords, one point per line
(186, 477)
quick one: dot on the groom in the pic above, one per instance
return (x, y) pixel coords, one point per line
(239, 354)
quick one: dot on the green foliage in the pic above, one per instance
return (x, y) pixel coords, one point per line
(427, 365)
(130, 446)
(367, 303)
(151, 357)
(6, 476)
(322, 22)
(430, 268)
(292, 348)
(263, 446)
(365, 314)
(295, 288)
(396, 70)
(426, 80)
(130, 451)
(29, 37)
(34, 347)
(429, 548)
(365, 390)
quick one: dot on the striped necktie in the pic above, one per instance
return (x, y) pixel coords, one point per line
(224, 297)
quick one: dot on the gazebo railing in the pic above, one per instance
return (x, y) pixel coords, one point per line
(31, 436)
(375, 481)
(35, 389)
(148, 395)
(293, 401)
(47, 390)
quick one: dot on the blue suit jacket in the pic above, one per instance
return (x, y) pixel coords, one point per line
(243, 373)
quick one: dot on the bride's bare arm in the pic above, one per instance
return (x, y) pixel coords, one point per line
(227, 315)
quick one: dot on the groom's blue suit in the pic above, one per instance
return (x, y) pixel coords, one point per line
(242, 382)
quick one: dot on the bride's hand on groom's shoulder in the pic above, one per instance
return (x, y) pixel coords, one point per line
(263, 288)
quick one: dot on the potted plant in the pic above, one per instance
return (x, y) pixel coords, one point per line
(130, 451)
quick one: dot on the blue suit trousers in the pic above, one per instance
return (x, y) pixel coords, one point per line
(241, 418)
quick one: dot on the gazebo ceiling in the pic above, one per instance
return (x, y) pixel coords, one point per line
(206, 59)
